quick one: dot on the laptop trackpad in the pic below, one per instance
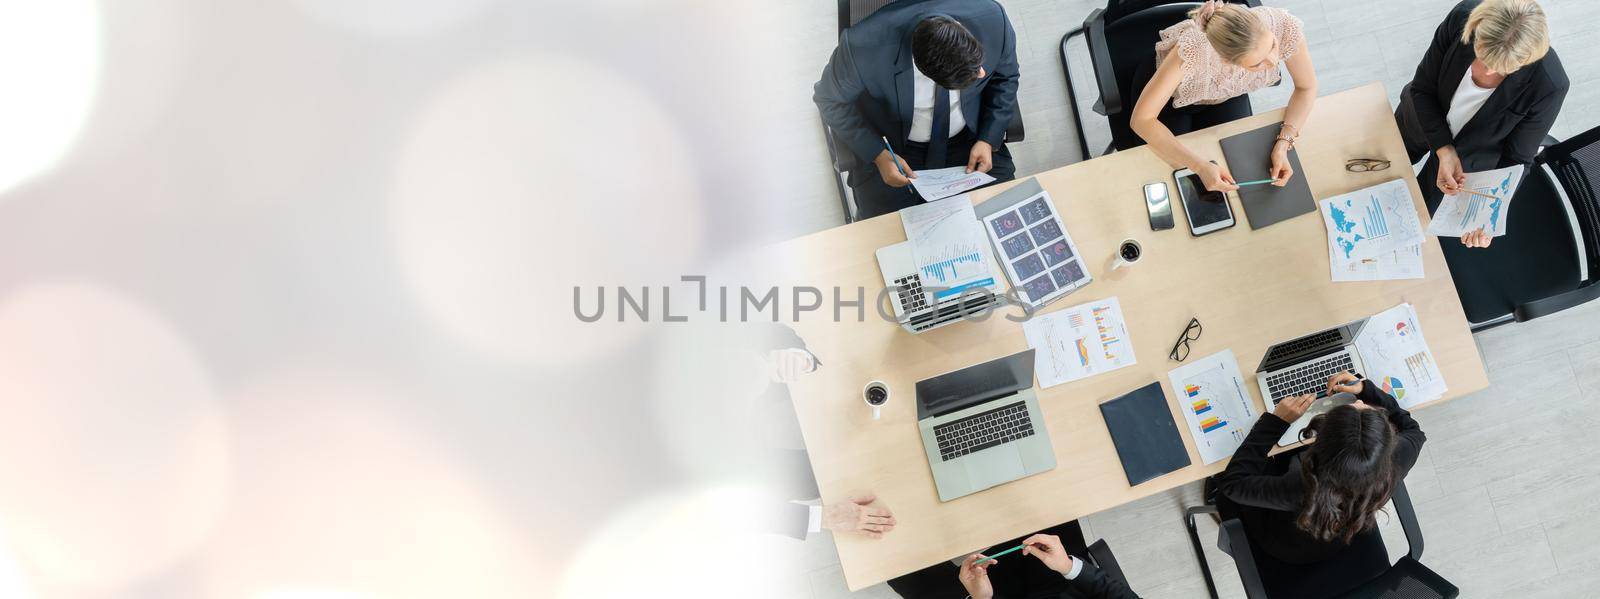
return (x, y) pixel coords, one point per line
(994, 466)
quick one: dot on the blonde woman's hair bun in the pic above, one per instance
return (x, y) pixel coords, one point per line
(1233, 30)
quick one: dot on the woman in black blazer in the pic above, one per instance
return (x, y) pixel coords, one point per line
(1485, 96)
(1312, 512)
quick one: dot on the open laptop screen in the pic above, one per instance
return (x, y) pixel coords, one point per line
(973, 385)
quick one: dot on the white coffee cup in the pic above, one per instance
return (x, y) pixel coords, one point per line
(876, 394)
(1128, 253)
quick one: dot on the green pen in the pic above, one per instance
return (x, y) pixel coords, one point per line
(1261, 182)
(991, 558)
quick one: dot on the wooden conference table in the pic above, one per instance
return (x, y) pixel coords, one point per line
(1249, 288)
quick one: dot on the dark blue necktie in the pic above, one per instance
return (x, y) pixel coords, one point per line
(939, 139)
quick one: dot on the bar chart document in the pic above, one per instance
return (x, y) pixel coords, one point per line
(1212, 396)
(1079, 342)
(1461, 213)
(1397, 357)
(951, 251)
(1374, 234)
(941, 183)
(1370, 222)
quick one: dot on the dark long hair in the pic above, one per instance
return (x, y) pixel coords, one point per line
(1348, 473)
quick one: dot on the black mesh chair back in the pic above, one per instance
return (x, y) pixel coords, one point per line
(1406, 578)
(853, 11)
(1542, 264)
(1576, 163)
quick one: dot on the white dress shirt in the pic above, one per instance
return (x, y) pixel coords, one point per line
(1468, 99)
(922, 109)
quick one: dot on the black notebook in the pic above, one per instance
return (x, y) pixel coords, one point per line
(1249, 157)
(1147, 440)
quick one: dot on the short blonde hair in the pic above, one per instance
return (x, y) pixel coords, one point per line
(1232, 29)
(1507, 34)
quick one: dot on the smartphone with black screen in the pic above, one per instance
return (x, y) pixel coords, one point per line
(1208, 211)
(1159, 203)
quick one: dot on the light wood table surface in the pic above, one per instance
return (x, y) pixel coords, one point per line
(1249, 288)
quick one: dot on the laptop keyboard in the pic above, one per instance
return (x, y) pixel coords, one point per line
(1311, 377)
(912, 298)
(982, 431)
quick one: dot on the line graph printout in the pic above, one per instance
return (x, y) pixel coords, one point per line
(949, 245)
(1079, 342)
(1371, 222)
(1460, 213)
(1212, 396)
(938, 184)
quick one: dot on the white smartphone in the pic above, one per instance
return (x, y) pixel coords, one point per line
(1208, 211)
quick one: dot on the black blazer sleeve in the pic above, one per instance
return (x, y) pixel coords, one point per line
(1000, 95)
(1523, 143)
(1248, 479)
(1409, 445)
(1431, 109)
(1092, 583)
(836, 94)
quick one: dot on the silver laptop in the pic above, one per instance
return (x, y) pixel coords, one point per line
(1303, 365)
(919, 309)
(981, 426)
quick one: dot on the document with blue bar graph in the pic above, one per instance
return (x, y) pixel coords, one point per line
(1039, 256)
(1460, 213)
(1371, 222)
(1212, 396)
(952, 254)
(1374, 234)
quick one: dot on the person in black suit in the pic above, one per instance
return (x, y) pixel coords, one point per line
(938, 79)
(783, 358)
(1484, 97)
(1312, 512)
(1054, 573)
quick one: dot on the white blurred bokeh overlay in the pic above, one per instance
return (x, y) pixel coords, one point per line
(286, 296)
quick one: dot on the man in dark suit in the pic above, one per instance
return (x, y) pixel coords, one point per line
(938, 79)
(1484, 97)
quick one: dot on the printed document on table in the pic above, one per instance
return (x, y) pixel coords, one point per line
(1216, 405)
(1079, 342)
(941, 183)
(1397, 357)
(1400, 264)
(1371, 222)
(951, 250)
(1460, 213)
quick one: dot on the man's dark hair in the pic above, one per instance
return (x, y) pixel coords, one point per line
(946, 52)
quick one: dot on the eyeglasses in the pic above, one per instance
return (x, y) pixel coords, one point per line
(1366, 165)
(1180, 350)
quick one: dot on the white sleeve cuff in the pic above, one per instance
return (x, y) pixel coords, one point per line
(1077, 568)
(814, 522)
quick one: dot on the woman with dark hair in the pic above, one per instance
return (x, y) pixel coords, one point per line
(1311, 514)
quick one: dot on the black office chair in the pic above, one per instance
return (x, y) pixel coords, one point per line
(850, 13)
(1405, 579)
(1121, 37)
(1537, 267)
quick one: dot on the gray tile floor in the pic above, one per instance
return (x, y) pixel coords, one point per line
(1506, 481)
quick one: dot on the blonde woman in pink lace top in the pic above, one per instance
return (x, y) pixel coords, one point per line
(1223, 52)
